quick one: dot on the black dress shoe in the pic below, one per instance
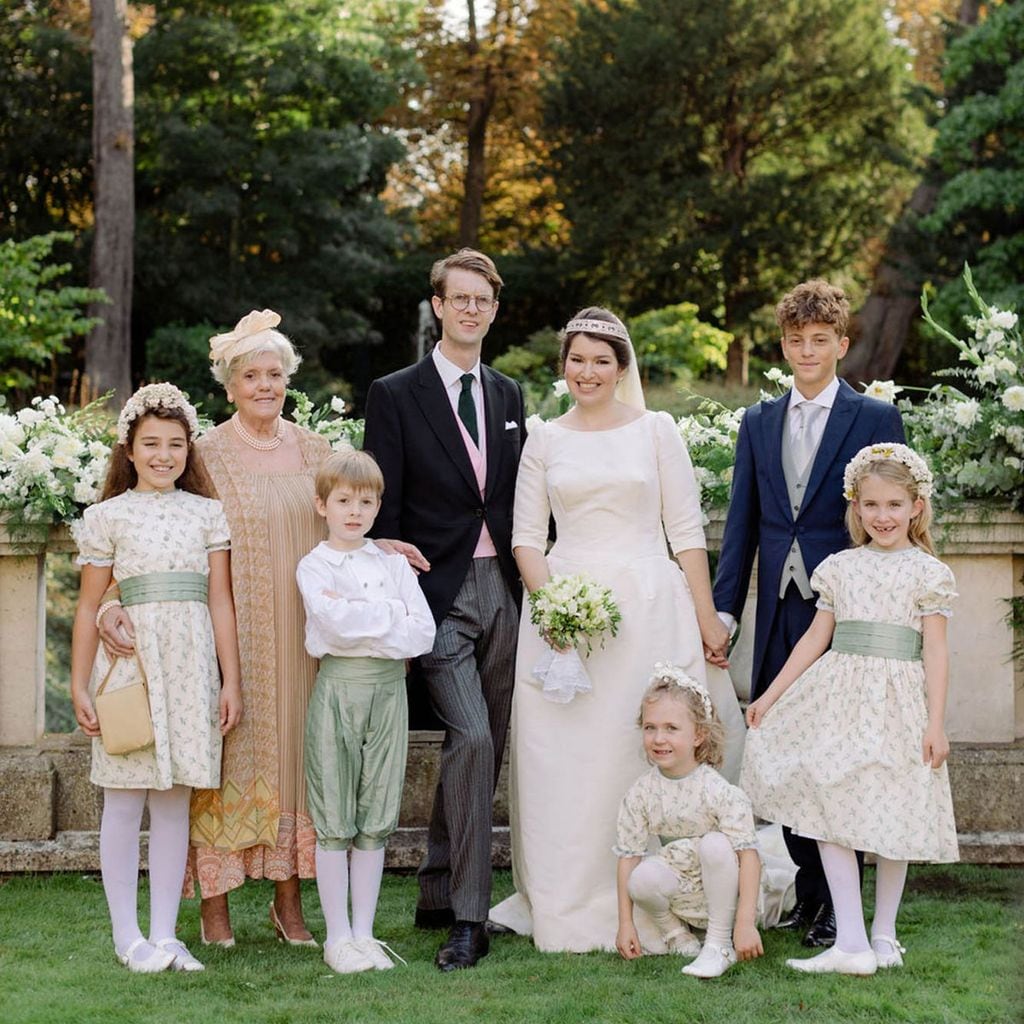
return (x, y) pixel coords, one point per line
(822, 932)
(800, 917)
(432, 919)
(467, 943)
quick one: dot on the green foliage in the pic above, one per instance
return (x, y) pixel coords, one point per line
(671, 343)
(259, 164)
(726, 150)
(535, 366)
(181, 354)
(38, 316)
(979, 152)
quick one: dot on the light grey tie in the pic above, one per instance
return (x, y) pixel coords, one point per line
(804, 437)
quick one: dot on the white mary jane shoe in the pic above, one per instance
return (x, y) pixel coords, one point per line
(712, 961)
(183, 959)
(159, 960)
(835, 961)
(891, 953)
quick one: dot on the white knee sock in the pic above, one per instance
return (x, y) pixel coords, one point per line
(119, 861)
(332, 885)
(890, 878)
(650, 886)
(843, 875)
(720, 873)
(168, 852)
(366, 872)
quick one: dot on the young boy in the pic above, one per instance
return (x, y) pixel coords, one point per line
(787, 507)
(365, 614)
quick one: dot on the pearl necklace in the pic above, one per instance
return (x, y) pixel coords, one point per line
(255, 442)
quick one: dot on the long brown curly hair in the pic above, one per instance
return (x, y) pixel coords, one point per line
(121, 473)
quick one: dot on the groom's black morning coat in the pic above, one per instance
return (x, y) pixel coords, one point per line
(431, 498)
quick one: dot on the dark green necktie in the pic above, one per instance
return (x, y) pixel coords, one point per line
(467, 407)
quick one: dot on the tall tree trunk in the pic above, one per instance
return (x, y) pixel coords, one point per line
(108, 348)
(879, 330)
(480, 104)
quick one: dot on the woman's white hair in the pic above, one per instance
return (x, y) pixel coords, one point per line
(263, 343)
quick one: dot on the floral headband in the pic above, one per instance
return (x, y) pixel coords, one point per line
(155, 396)
(666, 670)
(243, 339)
(887, 453)
(609, 327)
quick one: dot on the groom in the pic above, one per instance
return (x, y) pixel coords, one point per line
(787, 507)
(447, 433)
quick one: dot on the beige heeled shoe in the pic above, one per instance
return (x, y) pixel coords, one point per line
(283, 936)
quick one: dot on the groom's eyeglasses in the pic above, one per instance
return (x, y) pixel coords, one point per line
(460, 301)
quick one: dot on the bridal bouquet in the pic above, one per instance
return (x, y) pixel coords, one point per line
(568, 610)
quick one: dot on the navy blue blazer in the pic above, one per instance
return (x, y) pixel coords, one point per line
(761, 520)
(431, 498)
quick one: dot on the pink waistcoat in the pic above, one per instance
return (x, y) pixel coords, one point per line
(478, 459)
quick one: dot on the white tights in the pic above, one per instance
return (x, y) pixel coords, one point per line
(119, 859)
(335, 876)
(840, 864)
(653, 883)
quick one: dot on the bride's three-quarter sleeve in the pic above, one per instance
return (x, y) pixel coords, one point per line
(680, 496)
(532, 511)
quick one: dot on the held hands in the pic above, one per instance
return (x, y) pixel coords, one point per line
(117, 633)
(230, 707)
(747, 940)
(627, 942)
(714, 635)
(934, 746)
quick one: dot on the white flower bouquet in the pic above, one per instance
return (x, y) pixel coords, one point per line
(569, 610)
(52, 463)
(339, 431)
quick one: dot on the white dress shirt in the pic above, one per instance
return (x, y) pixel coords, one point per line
(451, 377)
(379, 610)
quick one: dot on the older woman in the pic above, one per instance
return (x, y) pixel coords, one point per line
(257, 824)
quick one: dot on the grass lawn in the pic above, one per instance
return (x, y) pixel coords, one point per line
(963, 926)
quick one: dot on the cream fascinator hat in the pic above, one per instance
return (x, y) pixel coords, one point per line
(245, 337)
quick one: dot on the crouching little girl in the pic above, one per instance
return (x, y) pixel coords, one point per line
(707, 872)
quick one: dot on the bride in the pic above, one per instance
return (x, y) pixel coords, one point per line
(619, 481)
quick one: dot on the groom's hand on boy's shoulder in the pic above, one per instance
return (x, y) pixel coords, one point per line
(409, 552)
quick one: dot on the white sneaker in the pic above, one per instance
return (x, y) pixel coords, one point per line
(888, 952)
(345, 957)
(377, 953)
(713, 961)
(835, 961)
(183, 959)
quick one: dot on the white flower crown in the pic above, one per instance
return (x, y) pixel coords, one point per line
(153, 396)
(892, 453)
(666, 670)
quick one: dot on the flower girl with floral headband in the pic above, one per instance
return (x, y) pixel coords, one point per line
(160, 534)
(847, 744)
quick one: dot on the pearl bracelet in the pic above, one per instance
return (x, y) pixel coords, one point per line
(104, 608)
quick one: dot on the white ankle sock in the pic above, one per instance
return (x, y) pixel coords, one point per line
(366, 871)
(168, 852)
(119, 861)
(890, 878)
(332, 886)
(720, 872)
(843, 875)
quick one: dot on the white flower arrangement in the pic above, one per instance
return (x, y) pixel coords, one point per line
(973, 435)
(710, 434)
(339, 431)
(52, 463)
(569, 610)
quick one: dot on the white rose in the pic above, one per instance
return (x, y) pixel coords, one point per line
(85, 492)
(1013, 398)
(560, 388)
(966, 413)
(29, 417)
(1002, 318)
(338, 405)
(11, 430)
(98, 450)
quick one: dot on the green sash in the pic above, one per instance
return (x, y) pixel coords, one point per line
(164, 586)
(877, 640)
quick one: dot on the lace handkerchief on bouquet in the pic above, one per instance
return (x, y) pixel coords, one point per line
(567, 610)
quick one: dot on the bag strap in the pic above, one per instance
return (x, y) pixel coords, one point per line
(113, 663)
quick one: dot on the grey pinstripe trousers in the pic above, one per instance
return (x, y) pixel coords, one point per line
(469, 676)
